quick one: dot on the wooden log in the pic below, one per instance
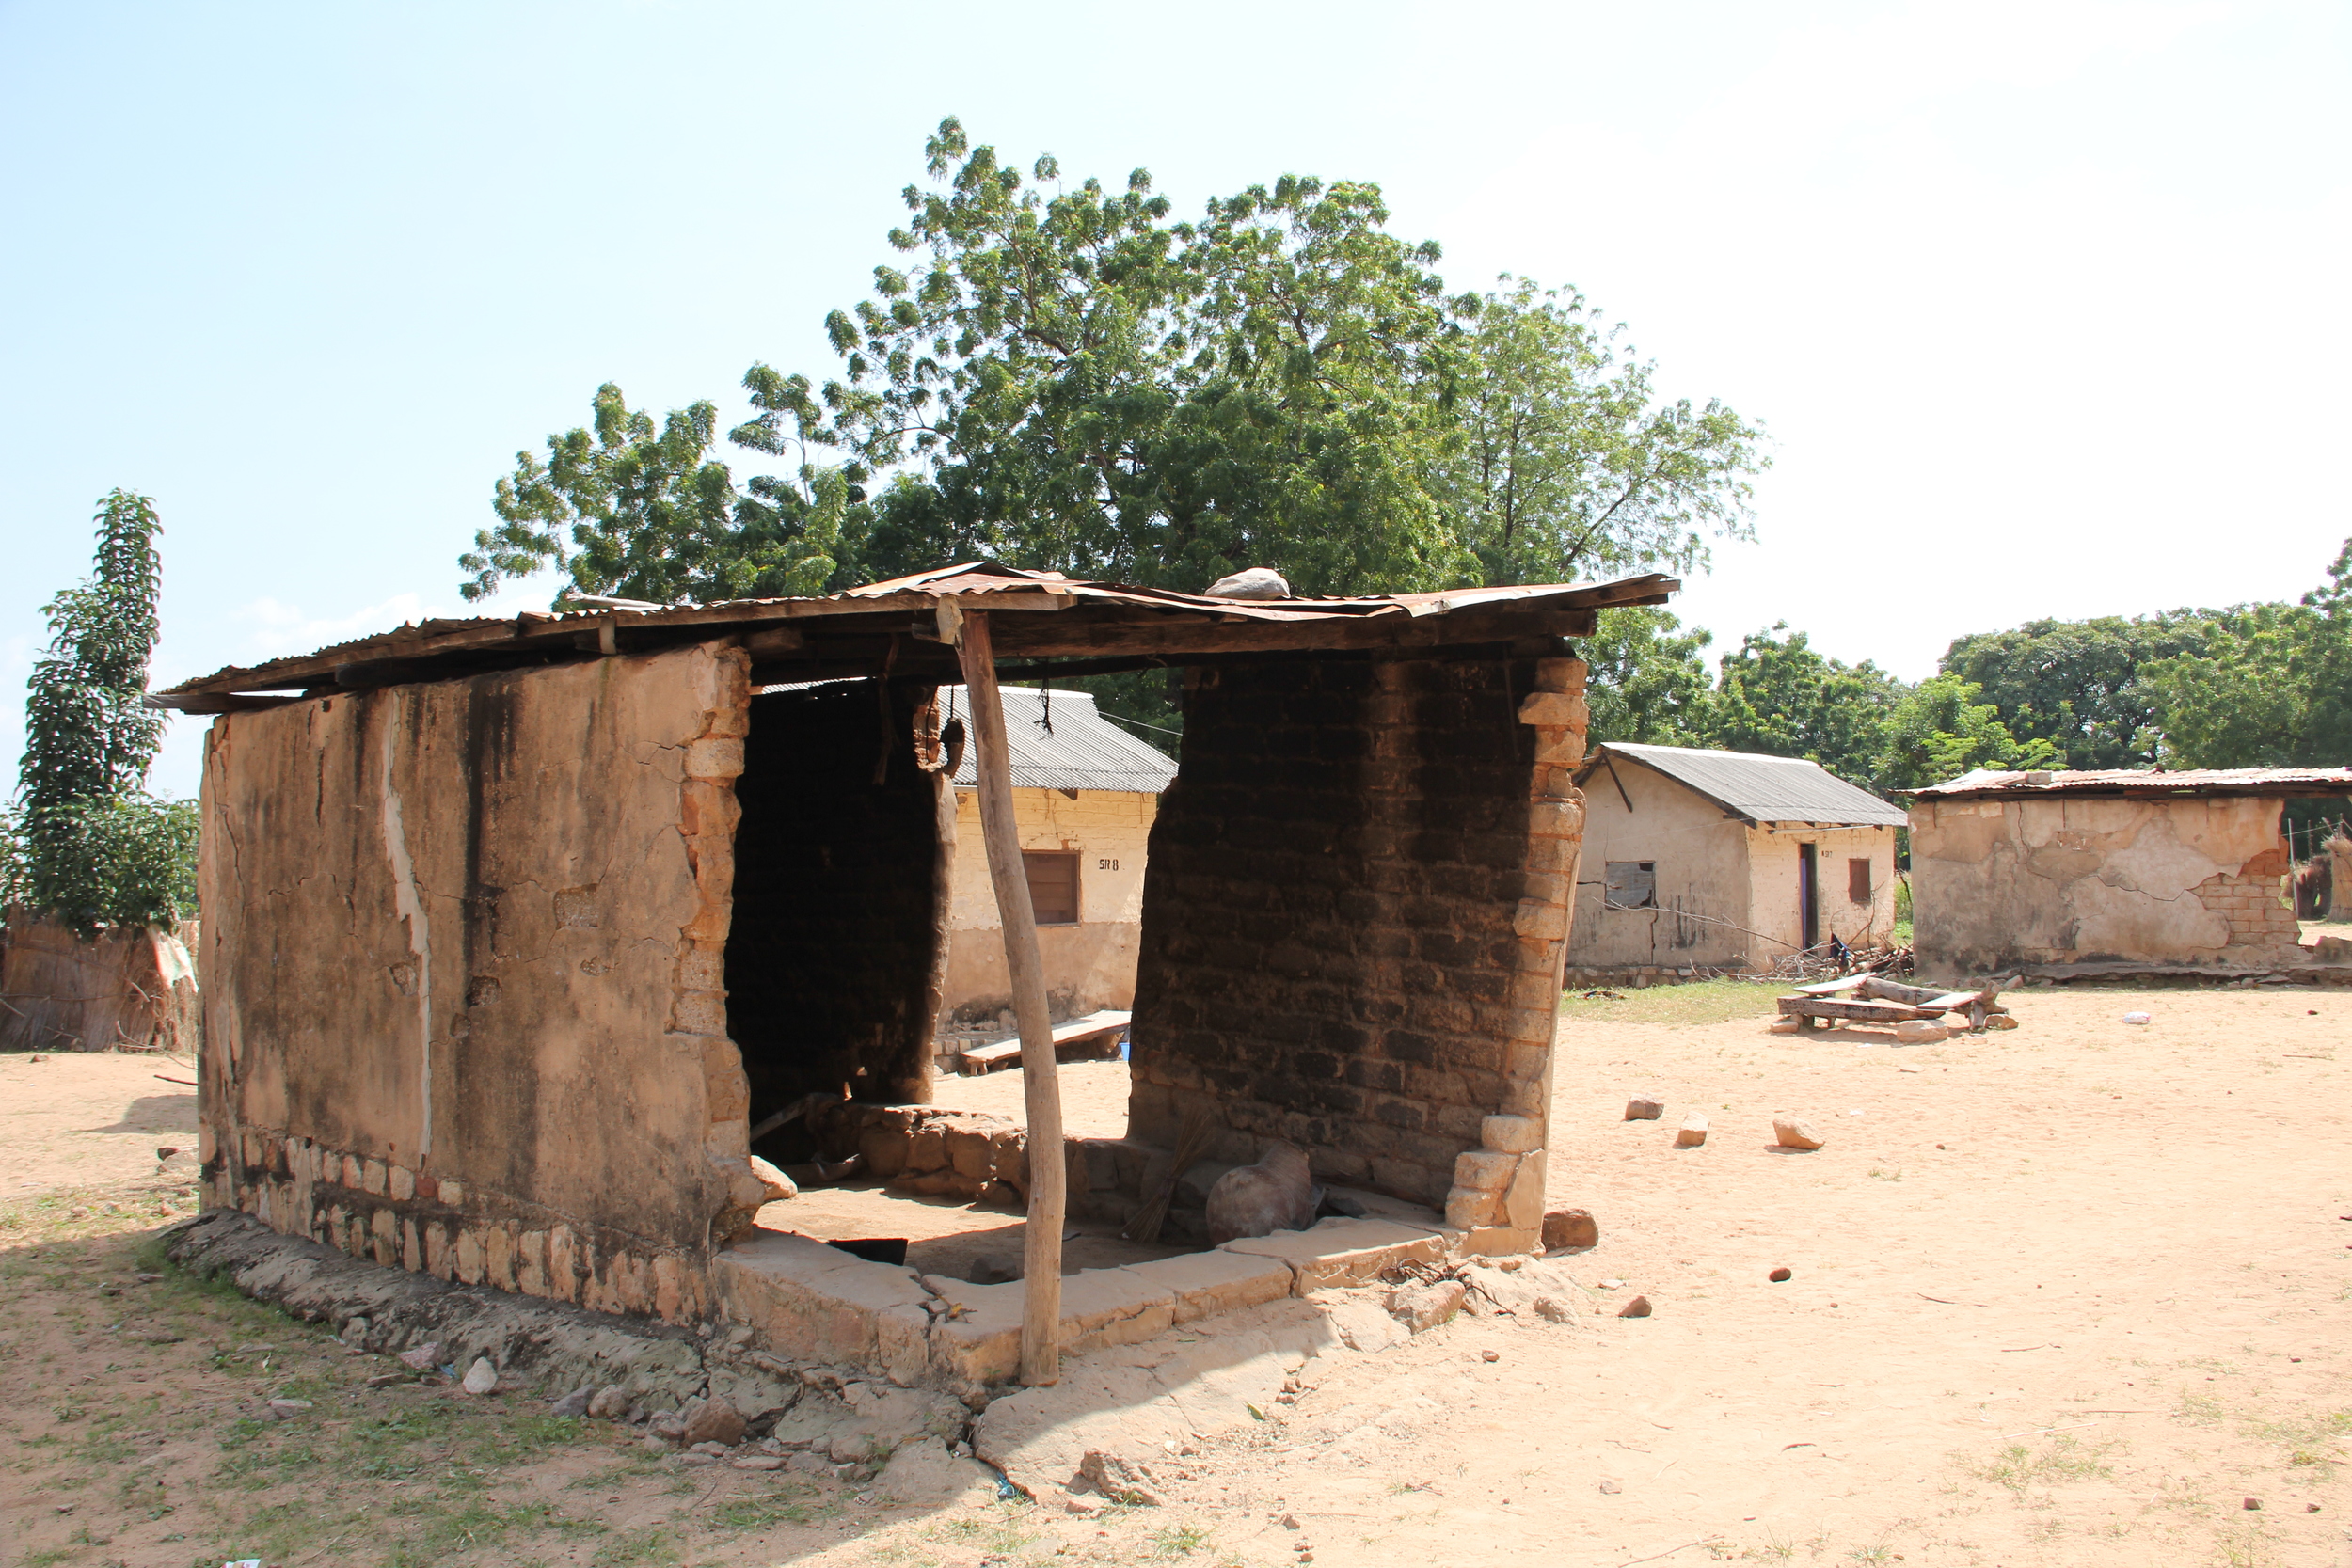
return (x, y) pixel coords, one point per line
(1860, 1012)
(1041, 1289)
(1833, 988)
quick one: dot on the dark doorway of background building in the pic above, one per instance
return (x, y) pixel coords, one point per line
(1808, 907)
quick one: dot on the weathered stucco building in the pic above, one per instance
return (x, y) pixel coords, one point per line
(515, 929)
(1084, 795)
(2059, 871)
(1724, 860)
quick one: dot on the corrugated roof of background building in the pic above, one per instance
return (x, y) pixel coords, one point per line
(1761, 788)
(1081, 750)
(2281, 782)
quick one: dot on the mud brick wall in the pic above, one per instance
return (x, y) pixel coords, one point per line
(1354, 920)
(831, 960)
(2256, 905)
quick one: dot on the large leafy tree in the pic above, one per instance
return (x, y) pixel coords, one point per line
(1780, 696)
(1649, 683)
(2078, 684)
(83, 843)
(1065, 375)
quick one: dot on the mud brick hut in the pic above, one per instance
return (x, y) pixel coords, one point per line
(1699, 859)
(2082, 874)
(515, 928)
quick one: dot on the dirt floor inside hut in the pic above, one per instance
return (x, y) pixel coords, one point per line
(2077, 1293)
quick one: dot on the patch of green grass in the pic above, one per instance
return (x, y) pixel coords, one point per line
(1700, 1002)
(2019, 1466)
(645, 1549)
(799, 1506)
(1178, 1540)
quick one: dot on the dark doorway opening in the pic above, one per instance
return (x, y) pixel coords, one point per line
(832, 958)
(1808, 898)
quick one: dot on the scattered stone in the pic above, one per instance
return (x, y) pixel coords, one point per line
(286, 1410)
(2000, 1020)
(2252, 1503)
(1422, 1306)
(355, 1329)
(1275, 1193)
(1792, 1133)
(1570, 1227)
(424, 1358)
(608, 1404)
(925, 1473)
(573, 1403)
(778, 1185)
(698, 1458)
(809, 1464)
(715, 1451)
(668, 1425)
(1115, 1479)
(1637, 1308)
(1489, 1355)
(993, 1267)
(1085, 1507)
(1785, 1026)
(147, 1279)
(1693, 1133)
(713, 1421)
(1555, 1310)
(1780, 1277)
(1612, 1487)
(1258, 582)
(1638, 1109)
(1920, 1031)
(481, 1378)
(385, 1380)
(2143, 1018)
(37, 1057)
(1613, 1284)
(2311, 1508)
(655, 1444)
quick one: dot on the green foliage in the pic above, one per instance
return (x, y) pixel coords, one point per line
(1938, 731)
(83, 842)
(1569, 469)
(1649, 684)
(1068, 377)
(1778, 696)
(2080, 684)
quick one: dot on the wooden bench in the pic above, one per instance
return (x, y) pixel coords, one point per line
(1095, 1036)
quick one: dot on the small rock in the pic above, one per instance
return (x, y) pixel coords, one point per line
(1613, 1284)
(1555, 1310)
(1920, 1031)
(691, 1458)
(1422, 1308)
(2251, 1503)
(1489, 1355)
(1113, 1477)
(760, 1461)
(714, 1421)
(147, 1279)
(1085, 1507)
(1691, 1134)
(1785, 1026)
(2000, 1020)
(385, 1380)
(778, 1185)
(1001, 1194)
(2144, 1018)
(1290, 1521)
(2311, 1508)
(1780, 1277)
(1638, 1109)
(993, 1267)
(1570, 1227)
(1792, 1133)
(354, 1330)
(37, 1057)
(1637, 1308)
(668, 1425)
(653, 1444)
(716, 1450)
(481, 1378)
(1612, 1487)
(808, 1464)
(573, 1403)
(286, 1410)
(424, 1358)
(608, 1404)
(1258, 582)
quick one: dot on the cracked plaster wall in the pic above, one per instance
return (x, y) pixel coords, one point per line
(462, 975)
(2000, 883)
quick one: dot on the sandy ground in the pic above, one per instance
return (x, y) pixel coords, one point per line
(75, 1120)
(2069, 1294)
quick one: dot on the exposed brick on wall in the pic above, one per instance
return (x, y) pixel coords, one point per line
(829, 957)
(1345, 943)
(2254, 904)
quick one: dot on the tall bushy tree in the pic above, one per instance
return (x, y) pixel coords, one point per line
(1778, 695)
(88, 846)
(1649, 683)
(1066, 376)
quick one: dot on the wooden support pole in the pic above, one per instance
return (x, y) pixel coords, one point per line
(992, 765)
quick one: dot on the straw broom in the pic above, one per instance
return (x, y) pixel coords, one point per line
(1192, 1140)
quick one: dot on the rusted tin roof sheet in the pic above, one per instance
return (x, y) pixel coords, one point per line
(2148, 783)
(895, 626)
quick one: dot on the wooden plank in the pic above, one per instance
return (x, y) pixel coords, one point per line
(1860, 1012)
(1832, 988)
(1040, 1092)
(1054, 640)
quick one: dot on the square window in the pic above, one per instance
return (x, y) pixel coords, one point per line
(1858, 881)
(1053, 886)
(1631, 885)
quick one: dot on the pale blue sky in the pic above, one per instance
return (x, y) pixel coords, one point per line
(2043, 303)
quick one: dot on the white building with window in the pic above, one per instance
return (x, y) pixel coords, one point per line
(1084, 794)
(1724, 860)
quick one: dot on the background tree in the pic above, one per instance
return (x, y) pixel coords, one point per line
(1778, 696)
(86, 846)
(1649, 683)
(2078, 684)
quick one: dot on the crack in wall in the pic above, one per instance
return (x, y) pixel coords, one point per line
(408, 905)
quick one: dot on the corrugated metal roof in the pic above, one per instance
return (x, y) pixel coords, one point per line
(1761, 788)
(1082, 751)
(896, 626)
(2147, 782)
